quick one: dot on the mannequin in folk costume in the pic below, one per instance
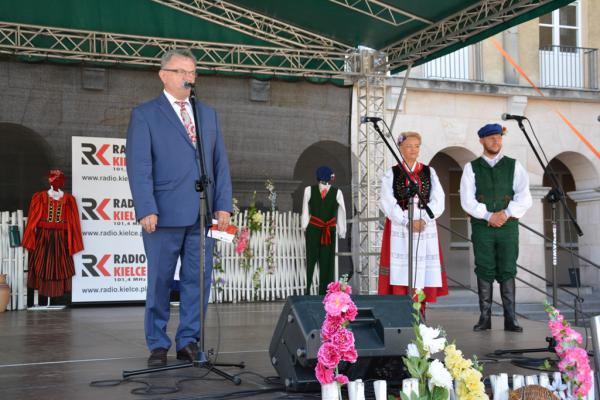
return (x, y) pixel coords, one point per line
(428, 271)
(323, 211)
(52, 236)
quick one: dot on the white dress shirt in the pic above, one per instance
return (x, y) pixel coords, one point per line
(517, 207)
(177, 108)
(341, 213)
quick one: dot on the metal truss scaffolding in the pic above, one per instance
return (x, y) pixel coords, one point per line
(254, 24)
(370, 166)
(381, 11)
(81, 45)
(481, 16)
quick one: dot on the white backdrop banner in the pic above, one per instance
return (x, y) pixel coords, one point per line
(112, 266)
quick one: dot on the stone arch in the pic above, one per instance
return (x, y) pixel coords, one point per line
(584, 173)
(334, 154)
(448, 164)
(579, 178)
(26, 159)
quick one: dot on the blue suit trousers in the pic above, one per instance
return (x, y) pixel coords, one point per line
(163, 248)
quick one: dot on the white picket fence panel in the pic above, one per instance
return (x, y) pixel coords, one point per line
(288, 276)
(13, 259)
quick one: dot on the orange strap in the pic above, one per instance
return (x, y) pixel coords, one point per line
(524, 75)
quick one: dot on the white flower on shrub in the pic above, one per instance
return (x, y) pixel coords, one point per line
(440, 376)
(412, 350)
(257, 218)
(432, 343)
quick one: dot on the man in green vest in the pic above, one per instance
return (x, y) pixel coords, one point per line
(494, 191)
(323, 211)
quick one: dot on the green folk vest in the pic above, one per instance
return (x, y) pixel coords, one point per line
(494, 186)
(326, 208)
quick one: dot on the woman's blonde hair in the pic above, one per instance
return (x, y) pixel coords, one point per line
(405, 135)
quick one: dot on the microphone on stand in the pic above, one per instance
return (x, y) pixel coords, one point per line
(190, 85)
(365, 119)
(506, 117)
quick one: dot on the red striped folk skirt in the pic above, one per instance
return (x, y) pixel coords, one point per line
(50, 265)
(384, 286)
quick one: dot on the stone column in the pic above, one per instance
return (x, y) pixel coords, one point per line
(588, 217)
(510, 40)
(531, 250)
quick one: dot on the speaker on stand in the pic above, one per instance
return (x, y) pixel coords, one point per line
(382, 330)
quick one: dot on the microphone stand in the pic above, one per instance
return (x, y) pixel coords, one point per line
(202, 185)
(554, 196)
(411, 191)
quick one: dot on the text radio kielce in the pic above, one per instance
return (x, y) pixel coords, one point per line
(114, 265)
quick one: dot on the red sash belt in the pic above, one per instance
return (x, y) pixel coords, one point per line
(52, 225)
(325, 227)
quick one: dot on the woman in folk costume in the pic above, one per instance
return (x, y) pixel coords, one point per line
(52, 236)
(428, 272)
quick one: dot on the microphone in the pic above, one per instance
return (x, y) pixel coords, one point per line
(370, 119)
(190, 85)
(519, 118)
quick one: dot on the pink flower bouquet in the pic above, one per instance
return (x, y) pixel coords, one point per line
(574, 362)
(337, 341)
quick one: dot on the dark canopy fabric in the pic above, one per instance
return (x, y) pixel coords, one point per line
(85, 30)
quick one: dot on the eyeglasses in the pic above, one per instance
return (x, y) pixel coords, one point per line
(179, 71)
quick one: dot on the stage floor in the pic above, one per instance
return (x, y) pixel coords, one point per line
(56, 354)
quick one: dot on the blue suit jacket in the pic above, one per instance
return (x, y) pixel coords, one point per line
(162, 166)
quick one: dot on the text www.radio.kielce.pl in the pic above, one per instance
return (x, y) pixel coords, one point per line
(115, 289)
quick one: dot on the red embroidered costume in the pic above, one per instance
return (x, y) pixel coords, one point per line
(52, 236)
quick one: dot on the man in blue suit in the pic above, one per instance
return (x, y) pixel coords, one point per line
(163, 169)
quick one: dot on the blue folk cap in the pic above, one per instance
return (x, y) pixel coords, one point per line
(490, 129)
(324, 174)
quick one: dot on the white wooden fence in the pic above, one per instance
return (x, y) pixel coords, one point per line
(234, 283)
(288, 275)
(13, 260)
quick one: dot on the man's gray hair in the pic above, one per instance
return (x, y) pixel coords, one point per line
(176, 52)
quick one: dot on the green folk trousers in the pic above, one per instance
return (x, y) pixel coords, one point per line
(496, 250)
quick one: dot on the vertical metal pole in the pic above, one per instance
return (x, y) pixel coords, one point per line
(400, 96)
(554, 258)
(411, 216)
(201, 357)
(595, 324)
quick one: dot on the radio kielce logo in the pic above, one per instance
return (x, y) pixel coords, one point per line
(114, 266)
(109, 155)
(120, 211)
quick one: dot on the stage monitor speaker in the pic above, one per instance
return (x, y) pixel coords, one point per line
(382, 330)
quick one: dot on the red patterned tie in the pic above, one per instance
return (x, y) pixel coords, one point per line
(187, 121)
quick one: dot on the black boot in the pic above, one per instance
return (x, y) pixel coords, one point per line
(507, 292)
(485, 291)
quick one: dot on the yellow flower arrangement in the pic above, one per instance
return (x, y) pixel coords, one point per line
(455, 362)
(469, 385)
